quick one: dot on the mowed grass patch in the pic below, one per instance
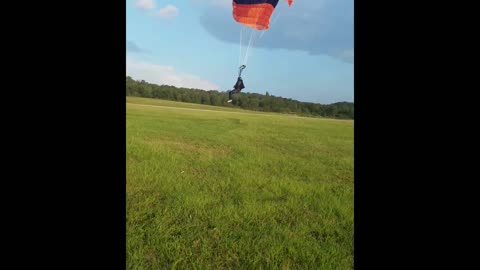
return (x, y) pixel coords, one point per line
(170, 103)
(212, 190)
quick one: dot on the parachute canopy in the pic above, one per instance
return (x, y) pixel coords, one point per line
(255, 13)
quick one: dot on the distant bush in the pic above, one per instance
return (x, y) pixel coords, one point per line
(248, 101)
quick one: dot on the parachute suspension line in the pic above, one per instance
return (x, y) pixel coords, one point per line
(254, 36)
(249, 45)
(240, 55)
(253, 42)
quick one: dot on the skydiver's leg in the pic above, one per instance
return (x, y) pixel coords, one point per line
(230, 96)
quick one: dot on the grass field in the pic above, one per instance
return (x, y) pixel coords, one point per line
(220, 190)
(169, 103)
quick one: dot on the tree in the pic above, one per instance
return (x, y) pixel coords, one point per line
(250, 101)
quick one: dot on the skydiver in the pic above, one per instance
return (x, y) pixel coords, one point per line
(238, 85)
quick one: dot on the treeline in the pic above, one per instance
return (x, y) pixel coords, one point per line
(248, 101)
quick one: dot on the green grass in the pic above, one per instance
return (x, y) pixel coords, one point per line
(219, 190)
(169, 103)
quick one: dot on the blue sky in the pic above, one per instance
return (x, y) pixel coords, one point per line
(307, 54)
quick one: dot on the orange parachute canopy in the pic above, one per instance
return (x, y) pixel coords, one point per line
(255, 13)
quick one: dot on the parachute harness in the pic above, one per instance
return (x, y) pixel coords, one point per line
(242, 67)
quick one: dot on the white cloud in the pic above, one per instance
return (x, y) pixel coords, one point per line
(145, 4)
(218, 3)
(168, 12)
(158, 74)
